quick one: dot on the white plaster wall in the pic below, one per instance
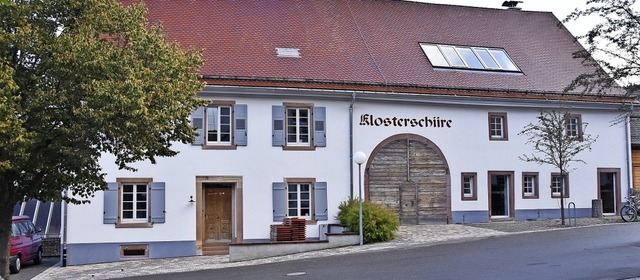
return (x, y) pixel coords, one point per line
(467, 148)
(465, 145)
(258, 163)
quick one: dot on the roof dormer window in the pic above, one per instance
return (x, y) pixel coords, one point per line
(475, 58)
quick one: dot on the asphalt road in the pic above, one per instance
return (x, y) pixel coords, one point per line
(604, 252)
(30, 270)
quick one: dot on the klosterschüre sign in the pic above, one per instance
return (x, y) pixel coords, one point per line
(371, 120)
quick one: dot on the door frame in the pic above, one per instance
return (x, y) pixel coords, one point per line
(511, 195)
(236, 207)
(616, 188)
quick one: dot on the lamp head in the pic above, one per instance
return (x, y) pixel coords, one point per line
(359, 157)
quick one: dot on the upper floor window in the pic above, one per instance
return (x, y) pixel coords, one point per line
(218, 125)
(298, 126)
(475, 58)
(498, 126)
(221, 125)
(573, 126)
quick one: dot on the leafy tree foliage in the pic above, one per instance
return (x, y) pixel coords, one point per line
(613, 44)
(554, 146)
(79, 79)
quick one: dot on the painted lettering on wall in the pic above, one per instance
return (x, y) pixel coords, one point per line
(371, 120)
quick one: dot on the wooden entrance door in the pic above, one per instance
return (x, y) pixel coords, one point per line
(217, 214)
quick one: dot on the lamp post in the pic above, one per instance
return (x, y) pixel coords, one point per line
(360, 158)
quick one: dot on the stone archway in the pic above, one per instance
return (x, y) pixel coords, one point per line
(409, 174)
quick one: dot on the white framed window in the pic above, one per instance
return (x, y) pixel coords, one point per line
(299, 200)
(557, 184)
(298, 126)
(218, 125)
(134, 199)
(134, 202)
(529, 185)
(498, 126)
(573, 126)
(469, 186)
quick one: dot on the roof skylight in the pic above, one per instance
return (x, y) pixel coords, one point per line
(476, 58)
(287, 52)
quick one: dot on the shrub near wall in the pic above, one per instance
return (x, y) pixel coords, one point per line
(378, 223)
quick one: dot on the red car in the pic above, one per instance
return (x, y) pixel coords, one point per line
(26, 243)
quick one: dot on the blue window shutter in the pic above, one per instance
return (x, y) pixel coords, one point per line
(110, 214)
(321, 209)
(278, 126)
(157, 202)
(197, 121)
(279, 201)
(319, 129)
(240, 124)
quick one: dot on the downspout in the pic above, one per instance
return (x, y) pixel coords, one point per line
(63, 230)
(627, 133)
(353, 100)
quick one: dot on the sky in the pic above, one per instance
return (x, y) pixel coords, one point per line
(560, 8)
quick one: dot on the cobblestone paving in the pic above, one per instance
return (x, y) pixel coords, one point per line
(420, 235)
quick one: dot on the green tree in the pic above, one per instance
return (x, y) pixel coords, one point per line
(79, 79)
(554, 145)
(613, 45)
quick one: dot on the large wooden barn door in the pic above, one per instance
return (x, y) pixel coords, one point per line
(410, 176)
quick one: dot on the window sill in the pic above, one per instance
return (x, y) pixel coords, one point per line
(219, 147)
(134, 225)
(299, 148)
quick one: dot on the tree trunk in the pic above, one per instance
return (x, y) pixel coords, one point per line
(6, 211)
(562, 198)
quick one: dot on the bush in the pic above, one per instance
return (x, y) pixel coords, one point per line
(378, 223)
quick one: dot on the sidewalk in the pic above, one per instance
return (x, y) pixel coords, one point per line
(420, 235)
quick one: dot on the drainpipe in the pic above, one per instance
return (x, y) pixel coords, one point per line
(63, 230)
(629, 163)
(353, 100)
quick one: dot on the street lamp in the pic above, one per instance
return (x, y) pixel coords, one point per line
(360, 158)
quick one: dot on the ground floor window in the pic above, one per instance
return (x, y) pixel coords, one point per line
(557, 185)
(469, 186)
(300, 198)
(530, 185)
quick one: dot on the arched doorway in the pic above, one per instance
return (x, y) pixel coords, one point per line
(409, 174)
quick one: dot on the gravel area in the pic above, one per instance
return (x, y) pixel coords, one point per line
(538, 225)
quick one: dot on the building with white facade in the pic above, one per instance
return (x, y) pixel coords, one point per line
(434, 95)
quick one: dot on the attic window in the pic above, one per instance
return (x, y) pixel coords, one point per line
(476, 58)
(288, 52)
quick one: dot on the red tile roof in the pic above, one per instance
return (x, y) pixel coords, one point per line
(372, 42)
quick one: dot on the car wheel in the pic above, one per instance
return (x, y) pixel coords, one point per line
(38, 258)
(15, 266)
